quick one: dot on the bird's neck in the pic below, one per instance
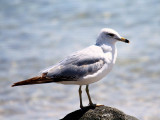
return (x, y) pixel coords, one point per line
(108, 47)
(109, 50)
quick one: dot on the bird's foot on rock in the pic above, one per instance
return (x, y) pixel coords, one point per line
(98, 105)
(92, 106)
(95, 105)
(81, 106)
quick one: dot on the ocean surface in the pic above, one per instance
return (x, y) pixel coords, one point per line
(36, 34)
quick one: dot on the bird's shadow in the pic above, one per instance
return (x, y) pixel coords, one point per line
(76, 115)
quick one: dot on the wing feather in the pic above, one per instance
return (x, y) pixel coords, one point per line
(77, 65)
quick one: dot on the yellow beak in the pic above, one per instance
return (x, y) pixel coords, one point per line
(124, 40)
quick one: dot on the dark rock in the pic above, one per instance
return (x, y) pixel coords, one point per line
(98, 113)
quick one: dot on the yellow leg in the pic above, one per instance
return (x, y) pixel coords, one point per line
(80, 96)
(89, 98)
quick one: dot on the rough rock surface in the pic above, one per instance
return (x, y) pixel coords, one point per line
(98, 113)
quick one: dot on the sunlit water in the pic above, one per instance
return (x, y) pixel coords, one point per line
(37, 34)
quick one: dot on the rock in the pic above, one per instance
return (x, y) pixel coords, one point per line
(98, 113)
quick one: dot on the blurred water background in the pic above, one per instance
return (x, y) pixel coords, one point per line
(35, 34)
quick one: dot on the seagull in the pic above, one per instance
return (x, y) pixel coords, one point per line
(83, 67)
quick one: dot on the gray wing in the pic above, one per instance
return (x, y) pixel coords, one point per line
(76, 66)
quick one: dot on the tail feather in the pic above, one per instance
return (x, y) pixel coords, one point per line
(34, 80)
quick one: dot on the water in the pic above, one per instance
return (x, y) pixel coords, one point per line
(37, 34)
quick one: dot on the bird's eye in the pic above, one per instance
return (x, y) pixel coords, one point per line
(110, 34)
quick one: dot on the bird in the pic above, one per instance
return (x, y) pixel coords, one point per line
(83, 67)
